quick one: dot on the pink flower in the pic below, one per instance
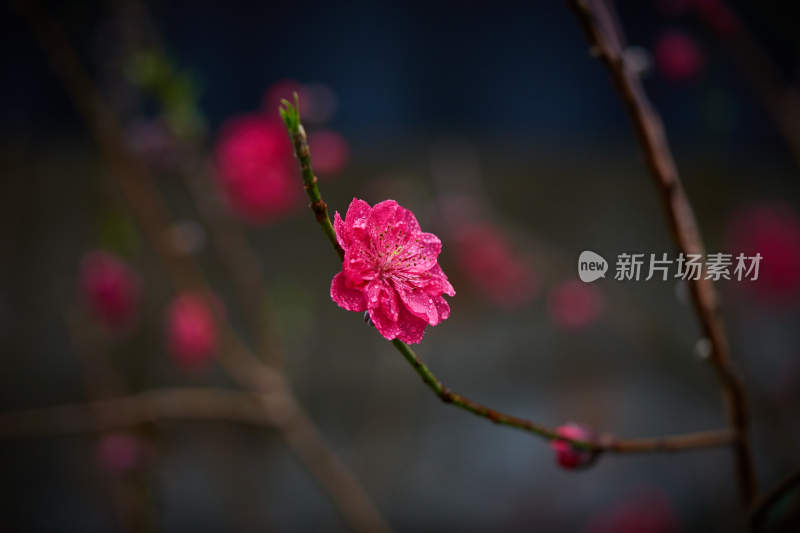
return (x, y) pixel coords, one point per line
(774, 232)
(256, 169)
(574, 304)
(390, 269)
(488, 261)
(677, 56)
(110, 287)
(649, 511)
(329, 151)
(118, 452)
(191, 330)
(567, 456)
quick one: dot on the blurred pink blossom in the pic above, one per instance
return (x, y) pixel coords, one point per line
(191, 330)
(774, 232)
(329, 150)
(256, 170)
(677, 56)
(567, 456)
(647, 512)
(118, 453)
(486, 258)
(390, 269)
(574, 304)
(110, 287)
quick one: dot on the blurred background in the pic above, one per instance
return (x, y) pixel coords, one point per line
(496, 127)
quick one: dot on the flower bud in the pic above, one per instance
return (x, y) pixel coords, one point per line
(569, 456)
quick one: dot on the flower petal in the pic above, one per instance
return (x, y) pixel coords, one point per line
(346, 297)
(355, 221)
(412, 329)
(438, 283)
(341, 232)
(358, 266)
(387, 327)
(442, 307)
(407, 222)
(418, 302)
(373, 293)
(420, 253)
(381, 223)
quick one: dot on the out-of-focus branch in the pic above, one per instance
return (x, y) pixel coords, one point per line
(150, 406)
(291, 117)
(607, 42)
(236, 254)
(227, 234)
(128, 494)
(762, 507)
(138, 191)
(274, 410)
(145, 200)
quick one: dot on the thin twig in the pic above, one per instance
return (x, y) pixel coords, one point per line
(762, 507)
(705, 439)
(606, 40)
(291, 117)
(709, 439)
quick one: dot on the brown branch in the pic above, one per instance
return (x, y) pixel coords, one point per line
(144, 198)
(762, 507)
(605, 38)
(291, 117)
(674, 443)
